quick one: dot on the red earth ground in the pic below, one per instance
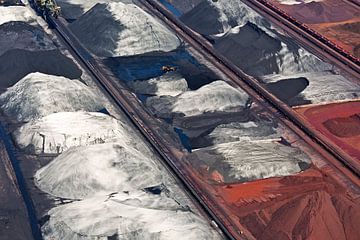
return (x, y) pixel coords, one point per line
(337, 20)
(340, 122)
(308, 205)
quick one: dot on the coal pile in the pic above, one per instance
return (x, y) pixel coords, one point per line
(30, 50)
(118, 29)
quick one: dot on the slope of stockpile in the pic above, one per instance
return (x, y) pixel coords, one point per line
(218, 17)
(337, 20)
(247, 151)
(118, 29)
(309, 205)
(258, 53)
(73, 9)
(16, 13)
(21, 35)
(130, 215)
(11, 3)
(217, 96)
(38, 95)
(239, 131)
(249, 40)
(170, 84)
(321, 11)
(248, 160)
(323, 87)
(184, 5)
(58, 132)
(26, 49)
(102, 168)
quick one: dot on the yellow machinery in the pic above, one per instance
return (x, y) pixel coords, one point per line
(47, 7)
(168, 69)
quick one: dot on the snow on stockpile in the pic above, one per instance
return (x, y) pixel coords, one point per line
(258, 53)
(110, 167)
(215, 17)
(217, 96)
(249, 40)
(16, 13)
(130, 215)
(238, 131)
(38, 95)
(250, 160)
(324, 87)
(118, 29)
(171, 84)
(58, 132)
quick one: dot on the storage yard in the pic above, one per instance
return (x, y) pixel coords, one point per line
(174, 120)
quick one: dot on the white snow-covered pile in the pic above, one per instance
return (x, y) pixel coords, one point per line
(133, 215)
(38, 95)
(58, 132)
(238, 131)
(217, 96)
(250, 160)
(169, 84)
(119, 29)
(292, 59)
(324, 87)
(218, 17)
(16, 13)
(102, 168)
(73, 9)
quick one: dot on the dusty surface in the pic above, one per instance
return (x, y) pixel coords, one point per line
(340, 122)
(337, 20)
(309, 205)
(345, 34)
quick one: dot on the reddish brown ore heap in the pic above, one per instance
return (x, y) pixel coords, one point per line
(340, 122)
(309, 205)
(337, 20)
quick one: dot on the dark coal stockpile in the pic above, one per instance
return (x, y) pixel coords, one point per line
(11, 3)
(252, 44)
(184, 5)
(249, 40)
(28, 49)
(293, 86)
(203, 16)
